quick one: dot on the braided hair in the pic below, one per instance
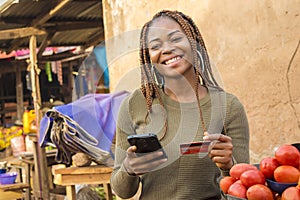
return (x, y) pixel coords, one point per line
(203, 74)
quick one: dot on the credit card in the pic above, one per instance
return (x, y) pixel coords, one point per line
(194, 147)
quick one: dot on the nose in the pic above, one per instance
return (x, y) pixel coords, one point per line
(167, 48)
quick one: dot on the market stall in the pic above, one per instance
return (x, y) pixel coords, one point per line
(27, 30)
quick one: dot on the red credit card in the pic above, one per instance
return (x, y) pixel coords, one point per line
(194, 147)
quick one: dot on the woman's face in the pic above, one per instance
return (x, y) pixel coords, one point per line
(169, 48)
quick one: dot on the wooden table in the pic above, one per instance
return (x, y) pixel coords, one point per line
(71, 176)
(13, 191)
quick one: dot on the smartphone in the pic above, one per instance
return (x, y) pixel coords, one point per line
(194, 147)
(146, 143)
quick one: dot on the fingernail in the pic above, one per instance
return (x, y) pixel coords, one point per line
(205, 138)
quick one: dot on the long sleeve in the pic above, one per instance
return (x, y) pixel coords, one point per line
(238, 129)
(123, 184)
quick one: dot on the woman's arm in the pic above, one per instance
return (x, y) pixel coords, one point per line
(123, 184)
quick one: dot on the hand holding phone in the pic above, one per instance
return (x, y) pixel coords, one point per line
(146, 143)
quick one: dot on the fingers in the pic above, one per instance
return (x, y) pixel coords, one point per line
(220, 150)
(139, 164)
(219, 137)
(131, 151)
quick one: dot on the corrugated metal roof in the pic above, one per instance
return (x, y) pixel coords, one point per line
(67, 22)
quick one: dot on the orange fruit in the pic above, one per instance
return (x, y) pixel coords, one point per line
(259, 191)
(288, 155)
(226, 182)
(286, 174)
(291, 193)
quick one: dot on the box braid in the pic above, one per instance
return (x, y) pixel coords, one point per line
(149, 89)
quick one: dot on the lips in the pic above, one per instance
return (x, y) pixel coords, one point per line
(171, 60)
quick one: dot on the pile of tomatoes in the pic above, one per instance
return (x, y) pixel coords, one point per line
(247, 181)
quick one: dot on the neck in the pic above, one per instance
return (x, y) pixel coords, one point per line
(183, 90)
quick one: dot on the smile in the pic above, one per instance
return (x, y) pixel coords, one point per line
(170, 61)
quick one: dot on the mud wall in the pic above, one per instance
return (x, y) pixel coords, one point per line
(253, 44)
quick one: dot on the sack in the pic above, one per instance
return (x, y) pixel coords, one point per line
(86, 125)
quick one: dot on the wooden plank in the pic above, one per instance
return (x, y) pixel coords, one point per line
(71, 193)
(20, 33)
(15, 186)
(10, 195)
(67, 179)
(84, 170)
(108, 192)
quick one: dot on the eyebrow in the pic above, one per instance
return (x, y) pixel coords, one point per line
(169, 35)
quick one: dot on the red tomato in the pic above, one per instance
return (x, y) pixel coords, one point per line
(252, 177)
(291, 193)
(286, 174)
(267, 166)
(287, 155)
(226, 182)
(237, 189)
(237, 169)
(259, 191)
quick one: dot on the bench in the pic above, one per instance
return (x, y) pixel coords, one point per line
(72, 176)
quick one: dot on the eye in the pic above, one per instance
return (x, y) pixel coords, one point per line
(176, 39)
(154, 46)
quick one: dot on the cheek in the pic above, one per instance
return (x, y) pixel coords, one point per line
(154, 56)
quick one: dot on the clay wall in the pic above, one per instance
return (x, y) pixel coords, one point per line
(253, 44)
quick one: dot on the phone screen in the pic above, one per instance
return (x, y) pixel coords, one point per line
(145, 143)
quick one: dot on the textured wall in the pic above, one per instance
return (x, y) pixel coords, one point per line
(254, 44)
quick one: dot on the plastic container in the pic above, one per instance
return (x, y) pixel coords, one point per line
(29, 121)
(279, 187)
(2, 171)
(18, 145)
(8, 178)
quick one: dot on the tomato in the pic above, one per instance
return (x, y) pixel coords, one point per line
(237, 169)
(252, 177)
(237, 189)
(259, 191)
(291, 193)
(226, 182)
(286, 174)
(288, 155)
(267, 166)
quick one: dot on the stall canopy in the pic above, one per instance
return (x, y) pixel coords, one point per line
(56, 23)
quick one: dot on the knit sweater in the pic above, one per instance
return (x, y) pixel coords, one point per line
(188, 176)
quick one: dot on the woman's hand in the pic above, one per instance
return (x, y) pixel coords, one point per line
(139, 165)
(220, 150)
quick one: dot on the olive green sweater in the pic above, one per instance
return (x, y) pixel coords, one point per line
(192, 176)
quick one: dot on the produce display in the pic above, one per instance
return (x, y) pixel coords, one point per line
(273, 178)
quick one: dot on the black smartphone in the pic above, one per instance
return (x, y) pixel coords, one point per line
(145, 143)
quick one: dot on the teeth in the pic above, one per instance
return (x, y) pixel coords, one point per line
(172, 60)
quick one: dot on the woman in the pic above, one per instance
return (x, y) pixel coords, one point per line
(181, 102)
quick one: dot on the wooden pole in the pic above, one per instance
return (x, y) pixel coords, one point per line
(19, 92)
(41, 187)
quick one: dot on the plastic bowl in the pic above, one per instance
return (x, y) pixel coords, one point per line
(279, 187)
(8, 178)
(297, 145)
(2, 171)
(229, 197)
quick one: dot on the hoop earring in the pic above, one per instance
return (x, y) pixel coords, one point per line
(201, 60)
(160, 84)
(201, 80)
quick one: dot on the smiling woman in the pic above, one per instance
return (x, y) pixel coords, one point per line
(181, 102)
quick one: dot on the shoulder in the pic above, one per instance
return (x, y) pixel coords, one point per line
(135, 96)
(233, 100)
(134, 99)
